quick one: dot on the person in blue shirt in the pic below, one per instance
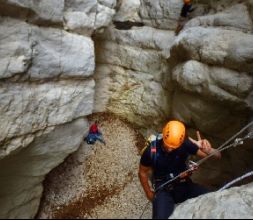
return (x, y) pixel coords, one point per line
(167, 160)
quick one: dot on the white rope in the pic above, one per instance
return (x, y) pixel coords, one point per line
(238, 141)
(236, 180)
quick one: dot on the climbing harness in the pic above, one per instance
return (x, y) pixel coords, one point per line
(153, 151)
(237, 141)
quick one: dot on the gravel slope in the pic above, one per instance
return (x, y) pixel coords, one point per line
(98, 181)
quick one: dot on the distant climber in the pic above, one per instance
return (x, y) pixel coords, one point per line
(187, 8)
(94, 134)
(165, 158)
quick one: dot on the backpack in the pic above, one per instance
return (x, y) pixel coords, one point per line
(152, 142)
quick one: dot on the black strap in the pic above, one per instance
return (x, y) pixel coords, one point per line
(153, 150)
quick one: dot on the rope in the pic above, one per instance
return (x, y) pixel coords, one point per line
(224, 146)
(146, 206)
(236, 180)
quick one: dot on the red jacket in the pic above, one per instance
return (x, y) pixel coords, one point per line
(94, 129)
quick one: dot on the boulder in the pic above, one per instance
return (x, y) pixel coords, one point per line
(41, 53)
(219, 84)
(235, 203)
(236, 17)
(226, 48)
(22, 173)
(208, 116)
(35, 107)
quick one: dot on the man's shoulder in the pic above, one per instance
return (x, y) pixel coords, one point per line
(152, 141)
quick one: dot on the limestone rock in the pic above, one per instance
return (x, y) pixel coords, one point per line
(84, 17)
(220, 84)
(103, 16)
(61, 54)
(16, 49)
(47, 63)
(130, 74)
(131, 58)
(227, 48)
(22, 174)
(34, 107)
(160, 14)
(128, 11)
(235, 203)
(145, 38)
(236, 17)
(46, 89)
(47, 10)
(79, 16)
(134, 95)
(208, 116)
(43, 52)
(108, 3)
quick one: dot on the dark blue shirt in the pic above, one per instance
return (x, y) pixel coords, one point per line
(168, 163)
(186, 9)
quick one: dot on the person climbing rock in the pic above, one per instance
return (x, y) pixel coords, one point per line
(165, 157)
(94, 134)
(186, 9)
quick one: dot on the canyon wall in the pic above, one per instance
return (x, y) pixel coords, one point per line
(46, 91)
(62, 60)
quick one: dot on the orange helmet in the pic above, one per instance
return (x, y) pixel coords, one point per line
(173, 134)
(187, 1)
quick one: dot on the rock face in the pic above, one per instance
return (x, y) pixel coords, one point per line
(206, 68)
(53, 75)
(235, 203)
(23, 170)
(47, 61)
(129, 77)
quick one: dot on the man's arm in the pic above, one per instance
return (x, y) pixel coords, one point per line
(144, 177)
(205, 148)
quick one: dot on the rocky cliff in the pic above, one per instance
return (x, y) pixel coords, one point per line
(235, 203)
(46, 91)
(62, 60)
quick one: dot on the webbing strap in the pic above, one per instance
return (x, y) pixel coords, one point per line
(153, 151)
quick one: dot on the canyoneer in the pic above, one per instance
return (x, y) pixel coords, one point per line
(184, 15)
(165, 157)
(94, 134)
